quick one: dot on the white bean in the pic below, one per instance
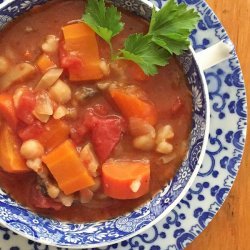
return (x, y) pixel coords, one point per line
(164, 148)
(89, 158)
(35, 164)
(51, 44)
(164, 133)
(60, 92)
(52, 190)
(66, 200)
(32, 149)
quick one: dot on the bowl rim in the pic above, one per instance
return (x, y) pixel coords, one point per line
(175, 202)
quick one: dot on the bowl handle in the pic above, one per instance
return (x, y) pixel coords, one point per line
(213, 55)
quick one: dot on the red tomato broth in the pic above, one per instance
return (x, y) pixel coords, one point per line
(164, 90)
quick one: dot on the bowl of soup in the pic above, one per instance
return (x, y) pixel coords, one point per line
(93, 150)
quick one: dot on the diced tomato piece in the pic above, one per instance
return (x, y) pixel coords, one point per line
(26, 105)
(39, 200)
(70, 62)
(106, 132)
(32, 131)
(177, 105)
(79, 131)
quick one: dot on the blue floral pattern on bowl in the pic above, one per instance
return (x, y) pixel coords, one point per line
(59, 233)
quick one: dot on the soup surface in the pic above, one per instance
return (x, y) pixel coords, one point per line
(83, 146)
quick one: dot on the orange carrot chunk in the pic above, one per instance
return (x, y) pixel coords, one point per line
(10, 159)
(126, 179)
(55, 133)
(7, 110)
(132, 102)
(81, 55)
(44, 63)
(67, 168)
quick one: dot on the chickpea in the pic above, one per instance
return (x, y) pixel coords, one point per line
(32, 149)
(60, 92)
(4, 65)
(144, 142)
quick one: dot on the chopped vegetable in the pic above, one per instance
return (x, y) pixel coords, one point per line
(55, 132)
(60, 112)
(67, 168)
(106, 132)
(126, 179)
(10, 158)
(80, 43)
(32, 131)
(17, 74)
(105, 21)
(49, 78)
(44, 63)
(25, 105)
(44, 107)
(131, 102)
(7, 110)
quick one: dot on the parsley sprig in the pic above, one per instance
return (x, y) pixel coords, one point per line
(168, 33)
(105, 21)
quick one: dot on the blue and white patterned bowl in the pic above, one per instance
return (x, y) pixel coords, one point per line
(62, 234)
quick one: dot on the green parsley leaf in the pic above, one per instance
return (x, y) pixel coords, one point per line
(170, 27)
(105, 21)
(140, 49)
